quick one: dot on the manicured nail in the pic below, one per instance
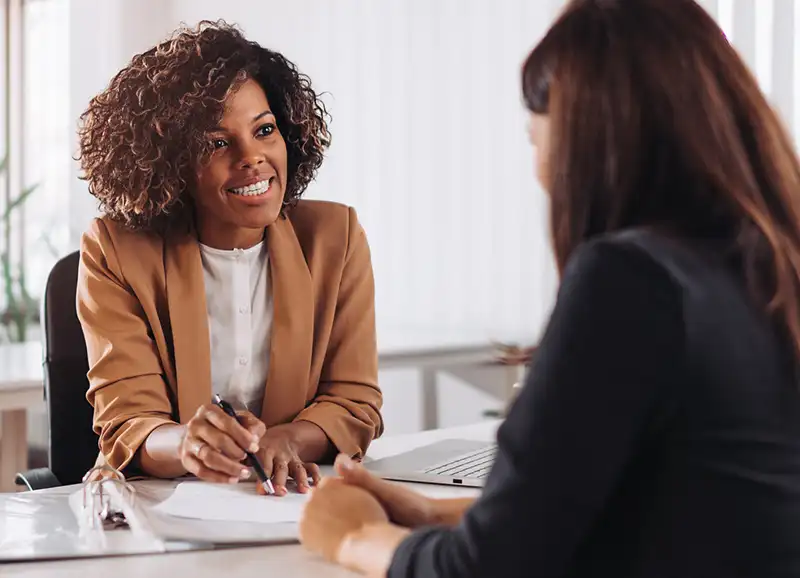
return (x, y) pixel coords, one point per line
(253, 448)
(244, 474)
(233, 480)
(347, 463)
(256, 439)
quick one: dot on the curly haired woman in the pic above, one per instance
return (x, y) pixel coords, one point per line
(207, 273)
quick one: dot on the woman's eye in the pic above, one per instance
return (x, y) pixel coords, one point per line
(266, 130)
(218, 143)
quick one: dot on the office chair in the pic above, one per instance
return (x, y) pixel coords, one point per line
(72, 444)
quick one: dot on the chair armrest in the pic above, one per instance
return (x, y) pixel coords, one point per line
(37, 479)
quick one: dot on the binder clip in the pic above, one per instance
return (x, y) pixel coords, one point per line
(105, 492)
(109, 519)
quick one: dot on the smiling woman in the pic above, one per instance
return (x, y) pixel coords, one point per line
(207, 273)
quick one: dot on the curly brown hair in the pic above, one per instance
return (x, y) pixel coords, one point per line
(142, 139)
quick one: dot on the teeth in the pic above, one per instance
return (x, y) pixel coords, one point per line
(258, 188)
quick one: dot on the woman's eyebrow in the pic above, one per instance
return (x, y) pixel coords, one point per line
(256, 118)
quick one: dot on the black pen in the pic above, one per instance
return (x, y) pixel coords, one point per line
(251, 460)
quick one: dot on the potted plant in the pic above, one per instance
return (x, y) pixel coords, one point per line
(18, 310)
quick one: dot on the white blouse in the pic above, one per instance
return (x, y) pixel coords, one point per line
(239, 306)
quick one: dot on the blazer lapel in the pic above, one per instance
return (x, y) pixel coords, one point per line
(292, 336)
(186, 299)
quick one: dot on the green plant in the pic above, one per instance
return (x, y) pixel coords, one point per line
(19, 308)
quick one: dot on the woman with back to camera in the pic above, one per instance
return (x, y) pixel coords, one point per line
(207, 273)
(658, 433)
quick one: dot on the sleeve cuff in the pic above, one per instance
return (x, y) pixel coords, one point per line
(404, 561)
(348, 434)
(120, 449)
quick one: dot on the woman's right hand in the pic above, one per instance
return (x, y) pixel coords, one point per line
(213, 445)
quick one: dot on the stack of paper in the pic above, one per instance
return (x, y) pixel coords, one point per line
(230, 503)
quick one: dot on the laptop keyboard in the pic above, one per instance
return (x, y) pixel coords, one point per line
(472, 465)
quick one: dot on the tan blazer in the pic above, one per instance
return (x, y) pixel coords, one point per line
(141, 302)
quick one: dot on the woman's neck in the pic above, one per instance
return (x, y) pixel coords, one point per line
(228, 239)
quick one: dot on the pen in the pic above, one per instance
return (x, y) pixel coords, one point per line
(251, 460)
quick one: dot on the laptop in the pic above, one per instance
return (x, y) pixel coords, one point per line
(448, 462)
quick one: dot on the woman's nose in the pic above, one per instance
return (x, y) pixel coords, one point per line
(250, 161)
(251, 155)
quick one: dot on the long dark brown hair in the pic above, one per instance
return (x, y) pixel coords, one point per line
(655, 120)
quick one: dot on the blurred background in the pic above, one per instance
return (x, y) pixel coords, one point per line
(429, 145)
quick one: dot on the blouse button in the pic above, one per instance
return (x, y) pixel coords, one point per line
(242, 361)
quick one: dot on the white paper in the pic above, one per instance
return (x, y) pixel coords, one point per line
(231, 503)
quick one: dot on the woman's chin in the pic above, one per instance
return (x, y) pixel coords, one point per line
(250, 213)
(263, 219)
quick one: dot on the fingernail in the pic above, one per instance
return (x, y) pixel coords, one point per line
(233, 480)
(244, 474)
(347, 463)
(256, 439)
(253, 448)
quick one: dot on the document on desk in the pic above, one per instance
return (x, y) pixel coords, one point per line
(230, 503)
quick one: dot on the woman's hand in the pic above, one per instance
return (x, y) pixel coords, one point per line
(214, 444)
(280, 454)
(404, 506)
(335, 511)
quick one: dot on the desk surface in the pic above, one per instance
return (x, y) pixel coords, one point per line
(256, 561)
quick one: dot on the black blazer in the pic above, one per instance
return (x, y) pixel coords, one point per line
(657, 435)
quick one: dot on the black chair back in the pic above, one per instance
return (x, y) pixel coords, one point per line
(73, 444)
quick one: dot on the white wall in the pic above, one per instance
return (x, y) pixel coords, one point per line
(105, 34)
(429, 136)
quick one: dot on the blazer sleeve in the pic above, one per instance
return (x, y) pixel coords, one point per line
(348, 401)
(126, 384)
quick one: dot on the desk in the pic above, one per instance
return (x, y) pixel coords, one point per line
(21, 390)
(435, 351)
(278, 561)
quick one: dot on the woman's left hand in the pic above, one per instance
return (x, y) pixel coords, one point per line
(335, 511)
(280, 455)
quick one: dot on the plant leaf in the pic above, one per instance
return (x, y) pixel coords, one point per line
(20, 308)
(23, 196)
(8, 280)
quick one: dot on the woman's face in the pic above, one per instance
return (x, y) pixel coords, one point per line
(240, 188)
(539, 129)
